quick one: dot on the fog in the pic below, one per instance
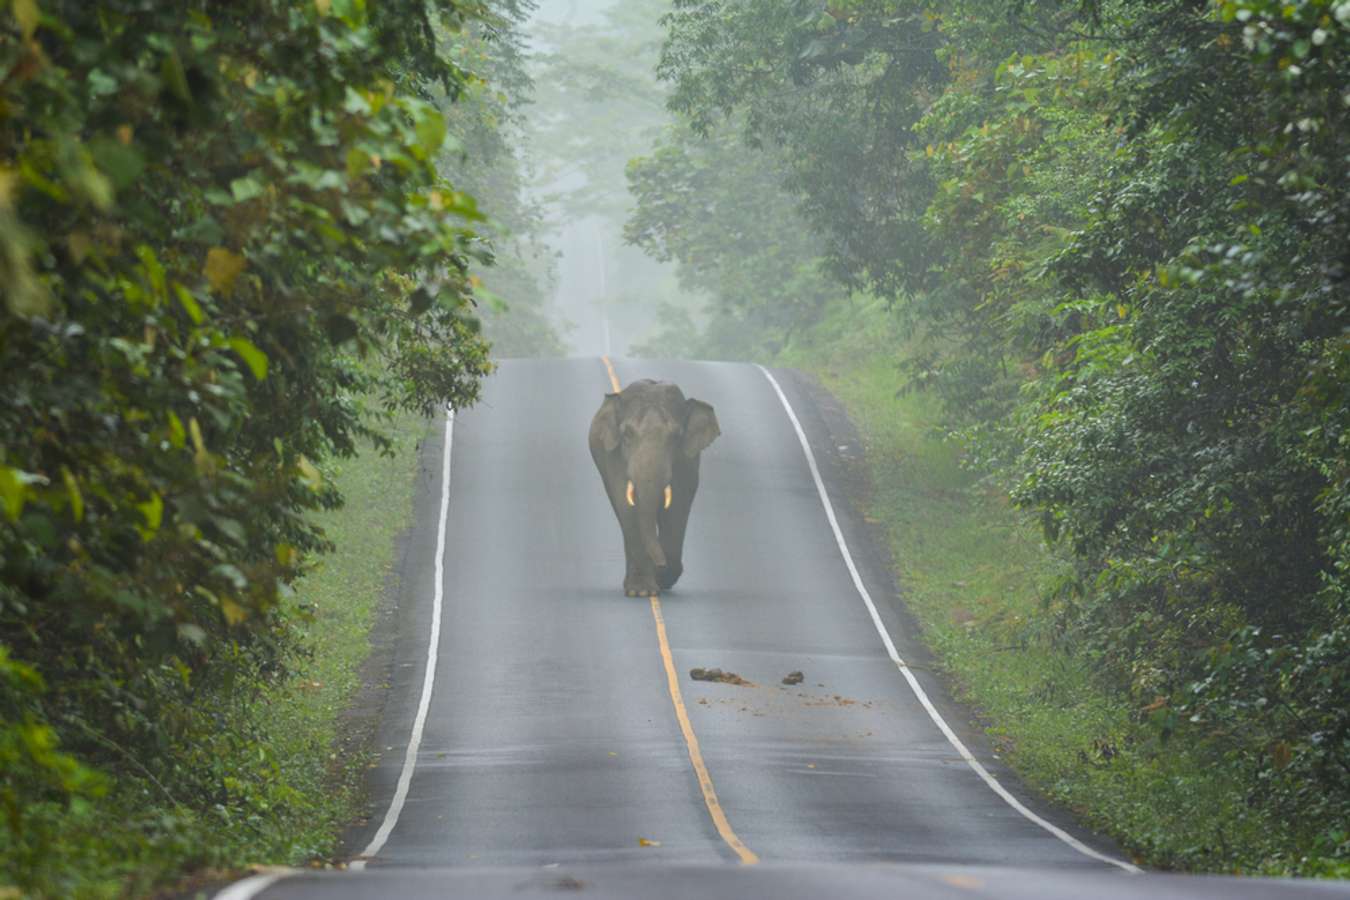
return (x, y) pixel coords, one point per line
(605, 294)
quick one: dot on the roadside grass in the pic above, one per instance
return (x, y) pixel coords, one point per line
(974, 572)
(336, 605)
(284, 785)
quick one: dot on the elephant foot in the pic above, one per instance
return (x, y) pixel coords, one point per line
(666, 576)
(641, 586)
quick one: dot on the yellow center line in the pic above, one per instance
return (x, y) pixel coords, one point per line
(705, 784)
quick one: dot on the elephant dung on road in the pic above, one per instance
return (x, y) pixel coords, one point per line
(646, 442)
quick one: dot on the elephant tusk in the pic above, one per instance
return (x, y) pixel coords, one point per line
(631, 501)
(667, 496)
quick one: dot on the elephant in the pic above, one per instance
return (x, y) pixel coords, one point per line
(646, 441)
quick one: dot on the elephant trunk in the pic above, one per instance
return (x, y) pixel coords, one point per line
(649, 472)
(648, 508)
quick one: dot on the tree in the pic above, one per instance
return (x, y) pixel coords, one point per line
(221, 230)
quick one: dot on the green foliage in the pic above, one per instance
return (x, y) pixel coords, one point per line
(222, 229)
(839, 89)
(488, 129)
(737, 239)
(1120, 229)
(981, 584)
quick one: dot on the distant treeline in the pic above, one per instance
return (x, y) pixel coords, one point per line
(227, 243)
(1120, 233)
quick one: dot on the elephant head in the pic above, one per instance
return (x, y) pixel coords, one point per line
(646, 442)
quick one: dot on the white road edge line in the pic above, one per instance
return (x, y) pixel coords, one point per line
(914, 685)
(250, 887)
(428, 679)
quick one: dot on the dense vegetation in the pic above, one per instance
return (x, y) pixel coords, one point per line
(1114, 240)
(232, 235)
(1104, 245)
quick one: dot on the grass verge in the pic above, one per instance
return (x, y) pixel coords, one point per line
(337, 603)
(974, 572)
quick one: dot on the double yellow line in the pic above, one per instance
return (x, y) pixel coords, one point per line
(705, 784)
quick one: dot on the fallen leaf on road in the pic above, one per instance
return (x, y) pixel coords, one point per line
(643, 842)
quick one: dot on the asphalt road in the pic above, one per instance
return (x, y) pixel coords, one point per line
(549, 750)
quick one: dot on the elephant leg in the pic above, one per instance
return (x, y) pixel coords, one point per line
(674, 521)
(639, 579)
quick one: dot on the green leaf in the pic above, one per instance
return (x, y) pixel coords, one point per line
(174, 78)
(152, 511)
(255, 359)
(27, 15)
(311, 475)
(73, 493)
(247, 188)
(13, 492)
(189, 304)
(177, 433)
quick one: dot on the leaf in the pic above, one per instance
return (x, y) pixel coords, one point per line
(232, 529)
(73, 492)
(13, 492)
(177, 433)
(200, 456)
(189, 304)
(89, 182)
(232, 574)
(193, 634)
(251, 355)
(153, 512)
(246, 188)
(287, 555)
(233, 612)
(222, 269)
(644, 842)
(312, 477)
(174, 77)
(27, 15)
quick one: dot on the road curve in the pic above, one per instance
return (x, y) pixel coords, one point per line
(550, 741)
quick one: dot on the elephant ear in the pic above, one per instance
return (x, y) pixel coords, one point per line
(605, 425)
(700, 426)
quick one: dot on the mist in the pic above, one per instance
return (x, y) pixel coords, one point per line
(597, 104)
